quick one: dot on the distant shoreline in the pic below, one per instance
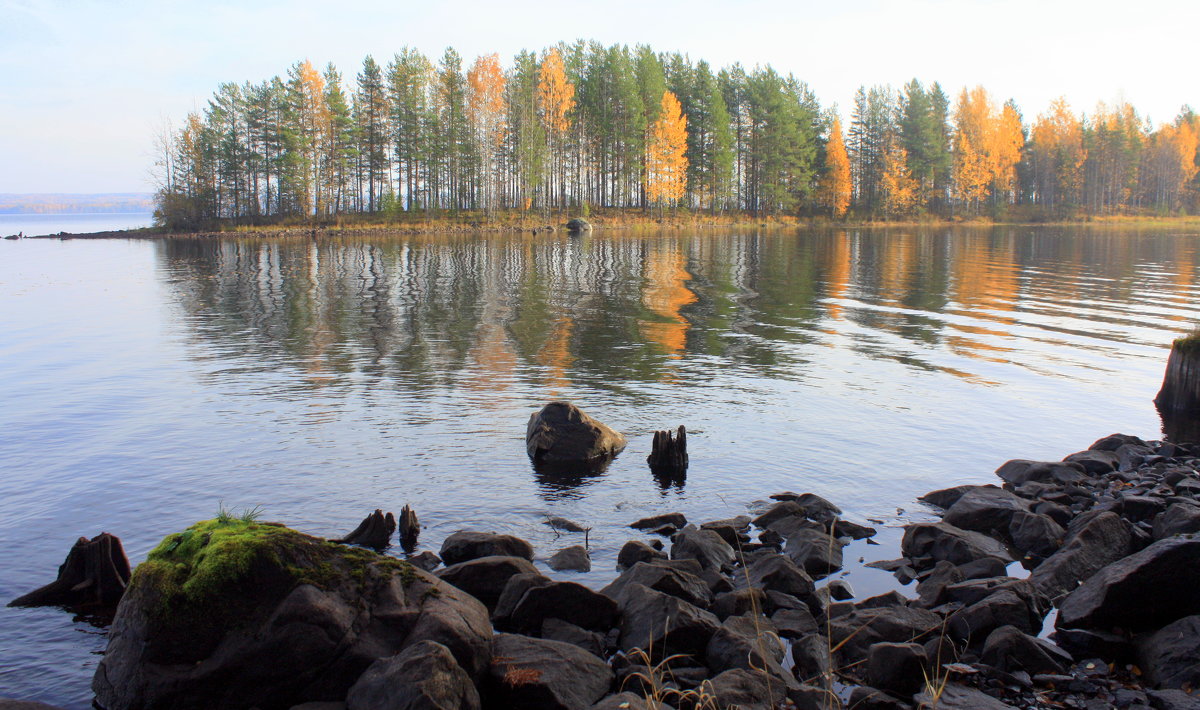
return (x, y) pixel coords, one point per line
(466, 225)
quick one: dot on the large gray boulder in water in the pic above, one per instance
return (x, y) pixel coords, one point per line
(231, 614)
(561, 433)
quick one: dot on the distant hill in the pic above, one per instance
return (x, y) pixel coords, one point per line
(61, 203)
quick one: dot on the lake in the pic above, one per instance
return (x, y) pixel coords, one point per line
(146, 383)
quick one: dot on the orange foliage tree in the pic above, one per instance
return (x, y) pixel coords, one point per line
(556, 100)
(486, 108)
(987, 147)
(1171, 163)
(833, 192)
(1056, 156)
(666, 153)
(898, 188)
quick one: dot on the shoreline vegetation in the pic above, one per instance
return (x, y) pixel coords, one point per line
(581, 127)
(519, 221)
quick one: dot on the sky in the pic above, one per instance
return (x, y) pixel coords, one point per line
(85, 85)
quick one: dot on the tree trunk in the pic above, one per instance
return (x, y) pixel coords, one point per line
(669, 453)
(93, 577)
(410, 529)
(1180, 391)
(374, 531)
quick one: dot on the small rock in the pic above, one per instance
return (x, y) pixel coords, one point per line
(561, 433)
(574, 559)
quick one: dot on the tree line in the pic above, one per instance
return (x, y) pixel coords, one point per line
(583, 125)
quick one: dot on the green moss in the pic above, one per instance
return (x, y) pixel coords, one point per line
(221, 569)
(1189, 343)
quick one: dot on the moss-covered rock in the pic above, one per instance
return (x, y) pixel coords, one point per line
(237, 613)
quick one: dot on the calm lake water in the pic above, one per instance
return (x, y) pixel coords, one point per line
(146, 382)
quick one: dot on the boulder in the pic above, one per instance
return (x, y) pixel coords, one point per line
(1144, 591)
(563, 600)
(812, 660)
(536, 674)
(751, 600)
(426, 560)
(779, 574)
(558, 630)
(777, 512)
(210, 603)
(424, 676)
(1173, 699)
(1019, 471)
(1177, 519)
(898, 667)
(636, 551)
(1095, 462)
(746, 642)
(794, 623)
(985, 509)
(572, 559)
(485, 577)
(654, 522)
(704, 546)
(1010, 649)
(942, 541)
(815, 552)
(1093, 541)
(955, 696)
(1170, 656)
(1016, 604)
(513, 591)
(854, 633)
(561, 433)
(932, 588)
(1112, 442)
(748, 690)
(864, 697)
(577, 225)
(663, 625)
(669, 579)
(629, 701)
(1034, 534)
(945, 497)
(468, 545)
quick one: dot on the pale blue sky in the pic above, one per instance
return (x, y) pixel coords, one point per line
(84, 84)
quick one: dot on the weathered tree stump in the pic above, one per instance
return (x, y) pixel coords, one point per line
(1180, 391)
(92, 578)
(410, 529)
(669, 453)
(374, 531)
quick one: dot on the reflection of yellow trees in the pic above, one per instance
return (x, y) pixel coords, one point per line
(665, 295)
(986, 276)
(555, 355)
(838, 273)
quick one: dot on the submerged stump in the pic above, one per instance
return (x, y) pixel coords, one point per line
(93, 577)
(668, 453)
(1180, 393)
(374, 531)
(410, 529)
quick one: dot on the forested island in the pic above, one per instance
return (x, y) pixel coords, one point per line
(581, 127)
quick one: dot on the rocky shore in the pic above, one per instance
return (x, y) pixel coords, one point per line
(741, 612)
